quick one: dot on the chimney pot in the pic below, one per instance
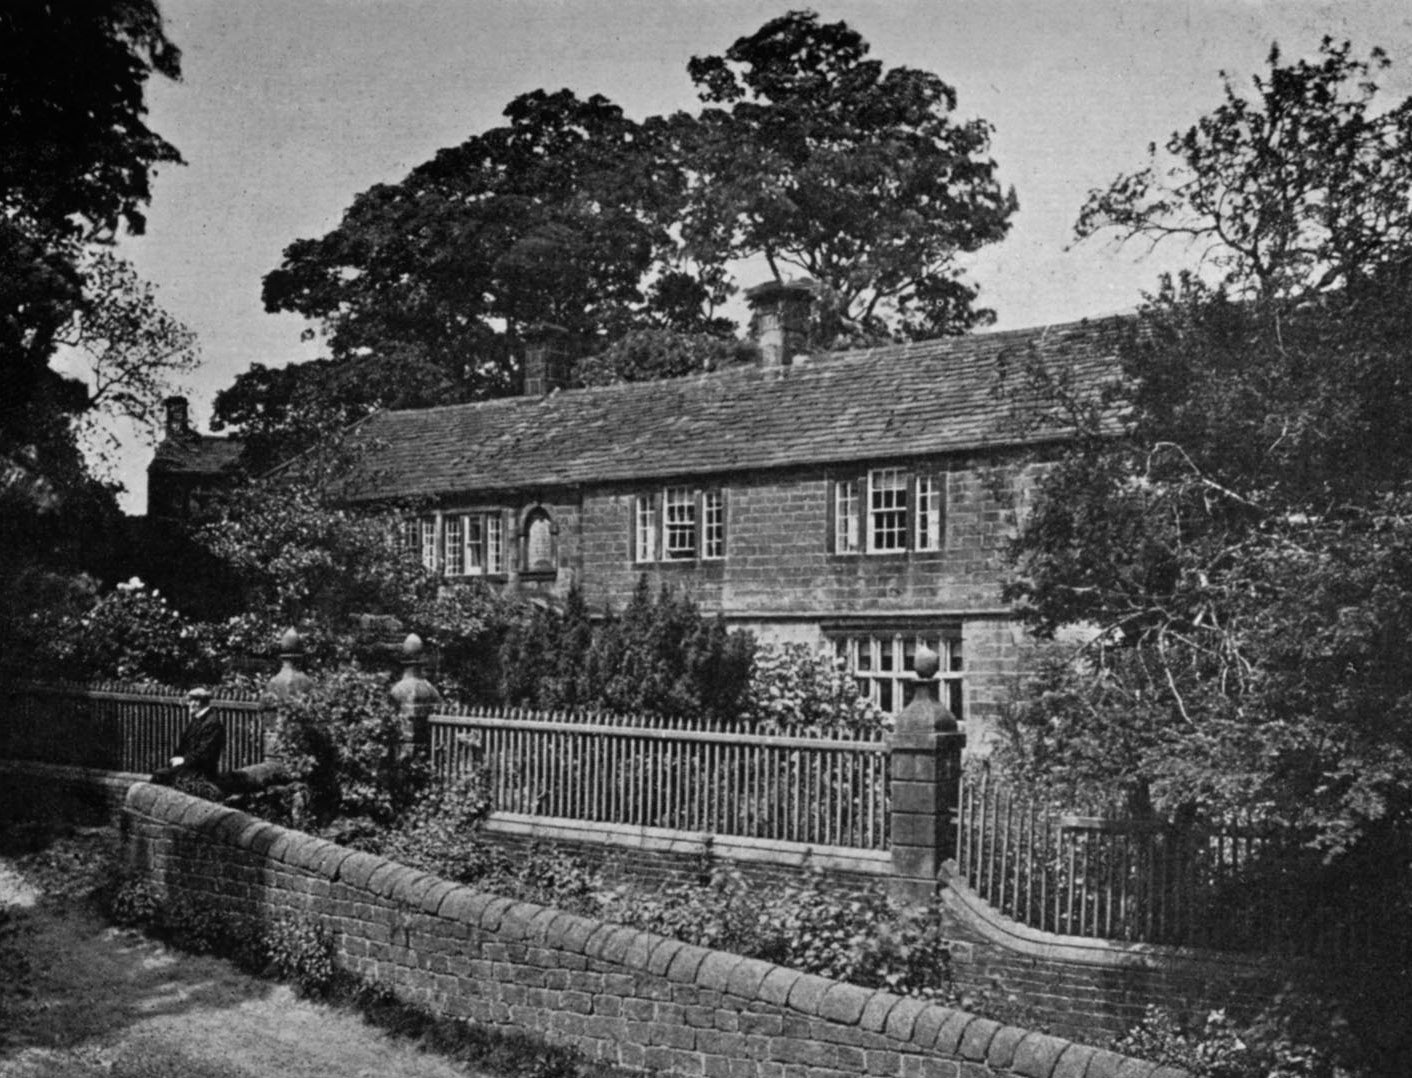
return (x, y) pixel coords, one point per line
(178, 417)
(780, 323)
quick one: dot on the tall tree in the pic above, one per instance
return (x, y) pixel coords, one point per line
(1242, 549)
(76, 160)
(618, 233)
(556, 217)
(821, 160)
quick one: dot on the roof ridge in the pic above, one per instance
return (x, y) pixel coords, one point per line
(901, 349)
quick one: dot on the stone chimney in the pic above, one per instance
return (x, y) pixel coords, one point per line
(548, 360)
(780, 320)
(178, 417)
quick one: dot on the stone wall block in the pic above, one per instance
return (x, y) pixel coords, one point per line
(807, 994)
(975, 1042)
(356, 869)
(948, 1037)
(685, 963)
(1001, 1053)
(747, 977)
(1038, 1055)
(845, 1003)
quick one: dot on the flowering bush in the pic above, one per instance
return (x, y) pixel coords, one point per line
(131, 634)
(795, 688)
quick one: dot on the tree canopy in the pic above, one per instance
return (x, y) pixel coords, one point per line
(76, 161)
(1240, 555)
(572, 215)
(76, 166)
(821, 160)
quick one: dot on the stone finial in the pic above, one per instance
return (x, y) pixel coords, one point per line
(925, 714)
(415, 698)
(290, 681)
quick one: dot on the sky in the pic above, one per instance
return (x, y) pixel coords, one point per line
(288, 108)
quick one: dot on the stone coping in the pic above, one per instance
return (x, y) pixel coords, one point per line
(913, 1025)
(688, 843)
(1022, 939)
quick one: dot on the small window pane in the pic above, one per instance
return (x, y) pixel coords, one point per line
(679, 523)
(429, 543)
(644, 530)
(928, 513)
(713, 524)
(475, 545)
(846, 517)
(455, 546)
(494, 544)
(887, 510)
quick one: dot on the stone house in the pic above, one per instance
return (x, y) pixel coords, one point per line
(188, 466)
(857, 500)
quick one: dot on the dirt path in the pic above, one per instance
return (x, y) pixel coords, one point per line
(79, 998)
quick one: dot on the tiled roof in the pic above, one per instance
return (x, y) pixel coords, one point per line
(914, 399)
(196, 454)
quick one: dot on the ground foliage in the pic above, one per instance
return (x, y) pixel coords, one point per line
(342, 741)
(1231, 529)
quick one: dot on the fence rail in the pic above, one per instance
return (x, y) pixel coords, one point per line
(697, 777)
(117, 728)
(1237, 888)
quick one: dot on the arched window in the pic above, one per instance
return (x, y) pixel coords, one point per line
(539, 543)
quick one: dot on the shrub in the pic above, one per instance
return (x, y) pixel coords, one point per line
(661, 656)
(132, 634)
(794, 688)
(301, 951)
(342, 740)
(438, 832)
(1293, 1038)
(861, 937)
(132, 901)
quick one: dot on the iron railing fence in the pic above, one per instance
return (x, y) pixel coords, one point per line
(1241, 886)
(681, 774)
(118, 726)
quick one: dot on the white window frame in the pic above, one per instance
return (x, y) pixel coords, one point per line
(928, 503)
(845, 521)
(644, 532)
(881, 662)
(454, 544)
(494, 544)
(473, 536)
(713, 525)
(428, 543)
(887, 510)
(679, 523)
(470, 544)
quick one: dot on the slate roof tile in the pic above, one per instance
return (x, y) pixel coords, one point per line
(921, 398)
(196, 454)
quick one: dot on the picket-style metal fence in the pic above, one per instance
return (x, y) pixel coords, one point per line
(1240, 886)
(116, 726)
(682, 774)
(1098, 873)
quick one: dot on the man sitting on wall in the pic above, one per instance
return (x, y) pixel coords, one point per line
(193, 767)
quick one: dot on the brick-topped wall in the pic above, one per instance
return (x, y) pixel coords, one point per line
(628, 997)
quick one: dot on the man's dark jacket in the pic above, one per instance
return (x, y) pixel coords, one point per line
(200, 750)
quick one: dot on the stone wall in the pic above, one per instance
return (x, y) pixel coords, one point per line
(616, 994)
